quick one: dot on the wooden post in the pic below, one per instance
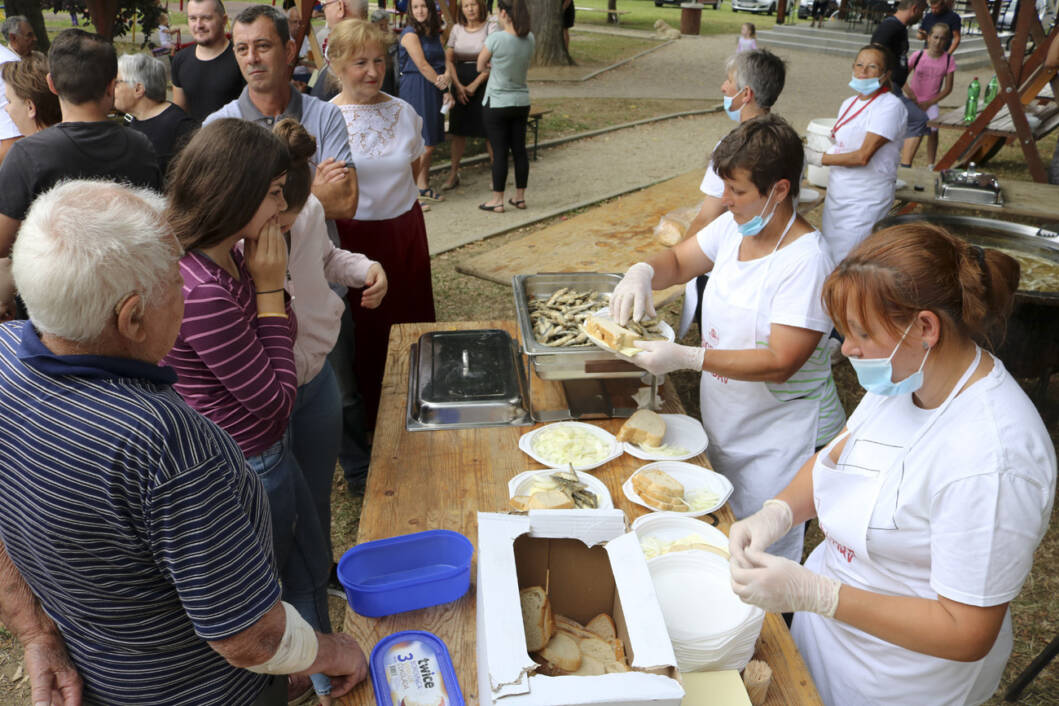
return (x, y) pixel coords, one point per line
(1020, 80)
(781, 11)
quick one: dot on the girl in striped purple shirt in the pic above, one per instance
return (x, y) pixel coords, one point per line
(234, 354)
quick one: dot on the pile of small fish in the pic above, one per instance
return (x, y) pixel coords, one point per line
(570, 485)
(557, 319)
(648, 329)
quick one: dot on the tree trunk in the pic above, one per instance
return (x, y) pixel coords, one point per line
(103, 13)
(611, 17)
(546, 19)
(32, 12)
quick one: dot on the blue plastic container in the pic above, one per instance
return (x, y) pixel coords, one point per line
(413, 663)
(413, 571)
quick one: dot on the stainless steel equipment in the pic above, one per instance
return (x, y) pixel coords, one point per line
(464, 379)
(582, 370)
(968, 186)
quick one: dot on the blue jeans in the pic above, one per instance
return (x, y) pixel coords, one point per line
(316, 433)
(301, 552)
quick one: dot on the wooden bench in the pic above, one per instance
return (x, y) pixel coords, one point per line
(534, 123)
(614, 15)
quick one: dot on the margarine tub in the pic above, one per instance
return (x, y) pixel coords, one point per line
(413, 668)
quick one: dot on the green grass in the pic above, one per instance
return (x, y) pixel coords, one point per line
(604, 49)
(643, 13)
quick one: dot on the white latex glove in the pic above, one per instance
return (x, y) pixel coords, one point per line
(779, 585)
(632, 297)
(813, 157)
(760, 530)
(661, 357)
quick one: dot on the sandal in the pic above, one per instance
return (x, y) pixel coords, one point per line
(499, 208)
(451, 184)
(430, 195)
(520, 204)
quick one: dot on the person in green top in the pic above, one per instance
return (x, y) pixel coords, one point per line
(506, 102)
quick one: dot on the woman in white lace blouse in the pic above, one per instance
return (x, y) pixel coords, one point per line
(385, 137)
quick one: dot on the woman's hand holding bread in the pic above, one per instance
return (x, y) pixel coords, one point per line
(633, 297)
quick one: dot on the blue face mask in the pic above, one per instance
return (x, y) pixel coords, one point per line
(756, 224)
(865, 86)
(733, 114)
(876, 374)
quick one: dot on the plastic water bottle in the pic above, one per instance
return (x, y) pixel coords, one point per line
(992, 89)
(970, 110)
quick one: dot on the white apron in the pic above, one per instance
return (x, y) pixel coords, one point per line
(859, 197)
(756, 441)
(851, 667)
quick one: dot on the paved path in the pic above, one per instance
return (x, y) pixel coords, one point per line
(573, 174)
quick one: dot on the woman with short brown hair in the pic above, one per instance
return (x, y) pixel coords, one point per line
(932, 500)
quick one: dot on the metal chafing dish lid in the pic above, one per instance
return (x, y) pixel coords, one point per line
(466, 378)
(970, 178)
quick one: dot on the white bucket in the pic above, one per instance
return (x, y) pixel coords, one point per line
(818, 137)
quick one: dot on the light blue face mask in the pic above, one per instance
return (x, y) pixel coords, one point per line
(865, 86)
(733, 114)
(876, 374)
(756, 224)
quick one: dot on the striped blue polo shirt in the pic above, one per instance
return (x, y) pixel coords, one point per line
(134, 520)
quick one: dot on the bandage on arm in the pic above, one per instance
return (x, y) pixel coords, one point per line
(297, 648)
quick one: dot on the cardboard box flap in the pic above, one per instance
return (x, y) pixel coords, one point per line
(646, 625)
(590, 526)
(630, 688)
(498, 608)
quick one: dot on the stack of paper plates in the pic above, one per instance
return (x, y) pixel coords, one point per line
(710, 627)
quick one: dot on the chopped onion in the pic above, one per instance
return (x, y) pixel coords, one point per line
(560, 446)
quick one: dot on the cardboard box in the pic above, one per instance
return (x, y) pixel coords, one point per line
(589, 564)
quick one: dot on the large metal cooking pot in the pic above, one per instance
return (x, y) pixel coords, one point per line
(1030, 346)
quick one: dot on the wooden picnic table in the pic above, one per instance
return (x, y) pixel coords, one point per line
(442, 479)
(1021, 198)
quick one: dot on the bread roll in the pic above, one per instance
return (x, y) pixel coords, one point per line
(590, 667)
(550, 500)
(536, 618)
(643, 428)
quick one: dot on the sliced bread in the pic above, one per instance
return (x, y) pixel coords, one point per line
(603, 626)
(536, 618)
(613, 335)
(657, 483)
(550, 500)
(563, 652)
(664, 502)
(590, 667)
(643, 428)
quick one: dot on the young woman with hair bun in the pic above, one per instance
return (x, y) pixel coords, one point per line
(932, 500)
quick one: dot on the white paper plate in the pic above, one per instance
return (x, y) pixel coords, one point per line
(683, 432)
(515, 485)
(667, 331)
(695, 594)
(525, 443)
(672, 526)
(806, 195)
(692, 477)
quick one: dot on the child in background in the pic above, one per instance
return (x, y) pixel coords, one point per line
(929, 82)
(747, 38)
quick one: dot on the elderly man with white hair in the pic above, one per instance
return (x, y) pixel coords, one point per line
(140, 94)
(133, 533)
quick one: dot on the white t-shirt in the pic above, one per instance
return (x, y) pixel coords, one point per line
(796, 274)
(961, 518)
(384, 139)
(887, 116)
(7, 125)
(712, 184)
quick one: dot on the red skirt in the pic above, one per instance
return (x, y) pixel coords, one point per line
(400, 246)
